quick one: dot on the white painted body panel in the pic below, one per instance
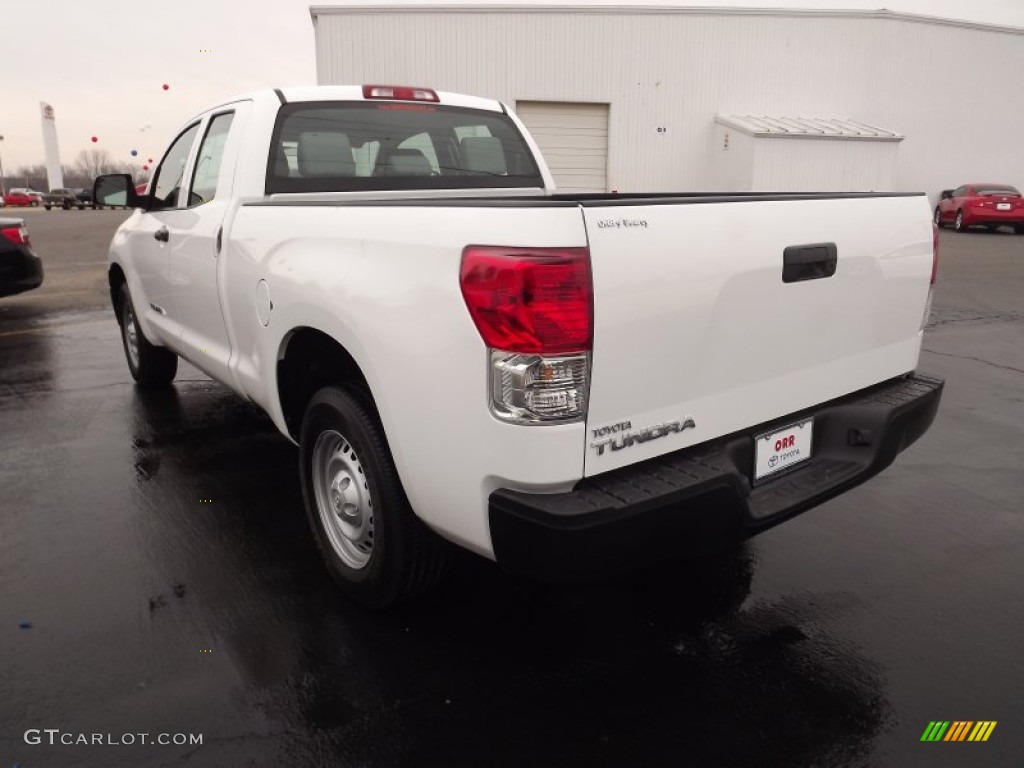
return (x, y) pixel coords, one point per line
(678, 308)
(383, 281)
(692, 318)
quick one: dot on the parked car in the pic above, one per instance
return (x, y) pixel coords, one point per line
(20, 268)
(990, 205)
(62, 198)
(20, 196)
(570, 385)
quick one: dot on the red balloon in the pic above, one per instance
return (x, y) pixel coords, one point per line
(145, 167)
(166, 86)
(94, 139)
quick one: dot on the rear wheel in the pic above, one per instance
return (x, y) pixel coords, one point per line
(959, 225)
(1019, 229)
(374, 546)
(938, 218)
(150, 366)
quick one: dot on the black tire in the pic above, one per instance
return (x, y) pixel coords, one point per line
(958, 223)
(65, 206)
(937, 218)
(343, 435)
(46, 207)
(81, 207)
(1019, 229)
(150, 366)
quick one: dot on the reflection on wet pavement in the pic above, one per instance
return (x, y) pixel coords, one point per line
(157, 575)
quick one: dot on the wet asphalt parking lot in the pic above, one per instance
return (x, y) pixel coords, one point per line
(157, 576)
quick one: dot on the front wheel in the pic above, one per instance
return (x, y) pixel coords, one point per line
(46, 207)
(150, 366)
(938, 218)
(958, 224)
(374, 546)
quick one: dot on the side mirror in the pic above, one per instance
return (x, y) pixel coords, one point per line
(115, 189)
(947, 194)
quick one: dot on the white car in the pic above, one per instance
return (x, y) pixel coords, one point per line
(565, 384)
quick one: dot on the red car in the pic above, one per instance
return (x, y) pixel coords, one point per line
(990, 205)
(23, 197)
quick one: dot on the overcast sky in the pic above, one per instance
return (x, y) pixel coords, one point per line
(102, 63)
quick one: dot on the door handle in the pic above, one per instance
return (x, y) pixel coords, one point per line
(162, 235)
(809, 262)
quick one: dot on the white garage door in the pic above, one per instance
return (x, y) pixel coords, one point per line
(573, 137)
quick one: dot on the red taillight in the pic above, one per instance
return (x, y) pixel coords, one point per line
(529, 300)
(935, 252)
(17, 235)
(399, 93)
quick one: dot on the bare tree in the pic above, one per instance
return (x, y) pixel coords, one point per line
(91, 163)
(33, 176)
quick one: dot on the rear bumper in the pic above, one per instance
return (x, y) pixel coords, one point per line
(1010, 218)
(20, 270)
(696, 499)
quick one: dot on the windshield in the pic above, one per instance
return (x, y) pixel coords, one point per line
(361, 146)
(996, 189)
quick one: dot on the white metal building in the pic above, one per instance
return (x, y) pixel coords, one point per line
(668, 97)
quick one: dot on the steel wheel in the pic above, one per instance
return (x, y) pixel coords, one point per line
(129, 328)
(938, 218)
(374, 546)
(150, 366)
(959, 223)
(343, 499)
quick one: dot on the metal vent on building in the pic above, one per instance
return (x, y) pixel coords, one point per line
(763, 126)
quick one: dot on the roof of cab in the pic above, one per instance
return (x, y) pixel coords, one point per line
(355, 93)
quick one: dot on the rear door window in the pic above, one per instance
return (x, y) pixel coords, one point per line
(211, 152)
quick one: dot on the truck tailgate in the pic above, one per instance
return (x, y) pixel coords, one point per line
(694, 321)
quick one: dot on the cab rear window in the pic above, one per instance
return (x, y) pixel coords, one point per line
(996, 189)
(356, 146)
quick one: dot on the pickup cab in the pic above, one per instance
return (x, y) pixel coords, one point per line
(571, 385)
(63, 198)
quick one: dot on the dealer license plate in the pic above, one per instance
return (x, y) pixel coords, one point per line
(1003, 206)
(782, 449)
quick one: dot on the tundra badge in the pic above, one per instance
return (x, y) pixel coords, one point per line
(621, 437)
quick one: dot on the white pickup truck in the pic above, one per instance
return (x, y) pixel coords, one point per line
(567, 384)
